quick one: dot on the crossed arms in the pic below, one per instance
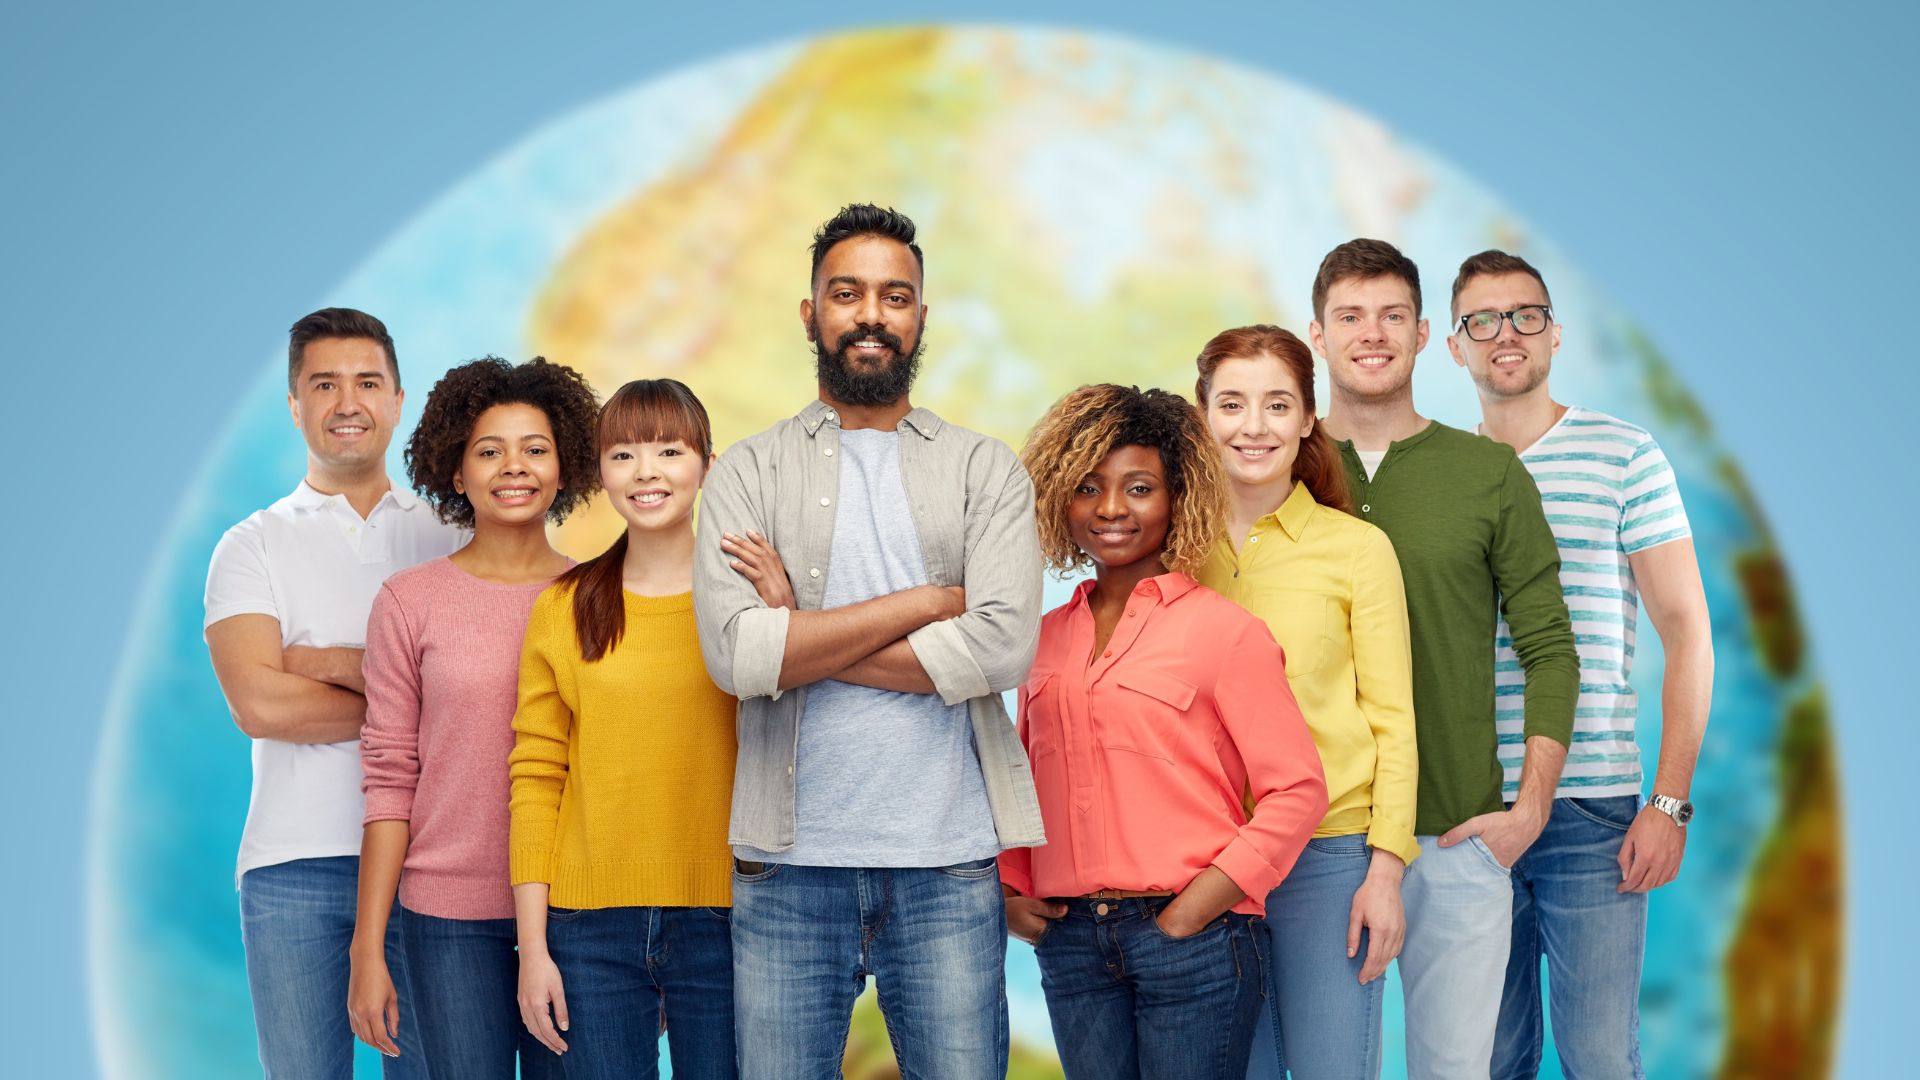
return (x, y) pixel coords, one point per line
(293, 693)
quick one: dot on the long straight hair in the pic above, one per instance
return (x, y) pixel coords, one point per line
(642, 411)
(1318, 464)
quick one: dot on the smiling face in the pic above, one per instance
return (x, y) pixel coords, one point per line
(1257, 416)
(1369, 334)
(652, 484)
(509, 470)
(1120, 512)
(865, 319)
(345, 403)
(1512, 364)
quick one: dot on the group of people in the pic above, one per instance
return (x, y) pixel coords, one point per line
(1341, 690)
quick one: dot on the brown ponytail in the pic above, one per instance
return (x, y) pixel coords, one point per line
(1318, 463)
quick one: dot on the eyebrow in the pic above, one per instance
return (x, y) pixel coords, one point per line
(503, 438)
(1396, 305)
(318, 375)
(849, 279)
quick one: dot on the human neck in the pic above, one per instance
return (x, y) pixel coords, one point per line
(1374, 423)
(1519, 421)
(362, 487)
(1112, 586)
(1248, 503)
(659, 562)
(876, 417)
(510, 554)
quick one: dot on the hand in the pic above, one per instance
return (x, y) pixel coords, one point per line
(373, 1009)
(1029, 916)
(1376, 909)
(1507, 833)
(1650, 856)
(1174, 923)
(543, 1001)
(755, 558)
(950, 602)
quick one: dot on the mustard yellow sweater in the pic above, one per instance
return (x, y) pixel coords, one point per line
(622, 768)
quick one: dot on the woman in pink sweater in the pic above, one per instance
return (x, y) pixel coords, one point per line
(501, 450)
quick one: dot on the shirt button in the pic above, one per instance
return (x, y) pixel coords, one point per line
(1131, 613)
(1365, 509)
(1109, 652)
(815, 572)
(1253, 539)
(828, 451)
(789, 770)
(824, 501)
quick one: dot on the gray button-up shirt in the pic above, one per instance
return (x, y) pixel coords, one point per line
(972, 506)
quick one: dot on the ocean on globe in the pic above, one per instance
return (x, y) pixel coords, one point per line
(1093, 209)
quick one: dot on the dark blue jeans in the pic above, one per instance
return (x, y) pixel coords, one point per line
(1593, 938)
(805, 938)
(620, 967)
(1127, 1001)
(466, 982)
(296, 922)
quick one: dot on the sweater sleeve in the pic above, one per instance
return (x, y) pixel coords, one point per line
(390, 739)
(543, 727)
(1526, 567)
(1383, 673)
(1284, 777)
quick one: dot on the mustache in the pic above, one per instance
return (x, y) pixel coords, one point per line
(865, 333)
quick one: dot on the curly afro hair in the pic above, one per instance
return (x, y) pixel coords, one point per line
(439, 442)
(1088, 424)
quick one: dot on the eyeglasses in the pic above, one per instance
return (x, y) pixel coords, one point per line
(1485, 325)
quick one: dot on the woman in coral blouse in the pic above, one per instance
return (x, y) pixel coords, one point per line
(1156, 711)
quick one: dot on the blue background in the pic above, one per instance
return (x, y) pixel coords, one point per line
(181, 182)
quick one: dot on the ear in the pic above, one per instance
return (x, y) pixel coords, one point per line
(293, 404)
(806, 317)
(1421, 347)
(1459, 354)
(1556, 339)
(1317, 338)
(459, 484)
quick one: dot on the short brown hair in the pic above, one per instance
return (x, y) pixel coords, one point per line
(1363, 258)
(336, 322)
(1084, 427)
(1317, 463)
(1493, 261)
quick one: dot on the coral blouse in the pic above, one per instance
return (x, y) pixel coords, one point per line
(1146, 755)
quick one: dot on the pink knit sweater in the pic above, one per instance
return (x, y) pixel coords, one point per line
(442, 670)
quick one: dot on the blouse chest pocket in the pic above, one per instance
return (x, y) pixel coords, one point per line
(1304, 623)
(1144, 726)
(1039, 713)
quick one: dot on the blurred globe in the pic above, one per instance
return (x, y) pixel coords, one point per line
(1093, 209)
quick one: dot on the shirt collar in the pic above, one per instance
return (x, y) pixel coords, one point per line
(306, 497)
(817, 413)
(1165, 588)
(1292, 515)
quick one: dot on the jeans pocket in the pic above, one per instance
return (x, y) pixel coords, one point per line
(978, 868)
(724, 914)
(751, 872)
(1486, 853)
(1615, 812)
(1208, 930)
(562, 914)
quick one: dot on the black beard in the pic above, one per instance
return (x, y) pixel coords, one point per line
(844, 384)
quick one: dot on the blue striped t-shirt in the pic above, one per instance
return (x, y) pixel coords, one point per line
(1608, 492)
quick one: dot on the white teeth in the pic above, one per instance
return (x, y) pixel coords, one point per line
(513, 493)
(1509, 358)
(1374, 361)
(349, 431)
(649, 498)
(1254, 451)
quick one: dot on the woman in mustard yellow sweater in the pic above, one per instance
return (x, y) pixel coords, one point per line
(622, 776)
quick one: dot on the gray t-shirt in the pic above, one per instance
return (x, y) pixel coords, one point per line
(882, 778)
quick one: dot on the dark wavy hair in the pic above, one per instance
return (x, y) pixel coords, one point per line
(453, 405)
(864, 219)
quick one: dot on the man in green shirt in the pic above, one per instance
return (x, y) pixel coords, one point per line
(1473, 543)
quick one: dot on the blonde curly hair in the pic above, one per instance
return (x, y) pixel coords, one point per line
(1081, 429)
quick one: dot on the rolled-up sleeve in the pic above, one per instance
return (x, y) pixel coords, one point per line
(989, 649)
(742, 640)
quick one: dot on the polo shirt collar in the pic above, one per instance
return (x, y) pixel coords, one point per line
(306, 497)
(817, 413)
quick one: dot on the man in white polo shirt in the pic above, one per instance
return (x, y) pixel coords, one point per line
(288, 594)
(1580, 892)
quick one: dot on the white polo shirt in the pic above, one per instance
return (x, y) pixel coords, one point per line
(312, 563)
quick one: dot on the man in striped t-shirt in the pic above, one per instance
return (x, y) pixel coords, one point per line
(1611, 500)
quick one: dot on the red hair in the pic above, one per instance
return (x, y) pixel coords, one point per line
(1318, 464)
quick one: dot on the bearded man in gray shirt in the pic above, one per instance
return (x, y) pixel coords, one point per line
(868, 583)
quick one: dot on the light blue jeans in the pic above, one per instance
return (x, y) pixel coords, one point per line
(1593, 938)
(1459, 904)
(296, 922)
(1323, 1024)
(805, 938)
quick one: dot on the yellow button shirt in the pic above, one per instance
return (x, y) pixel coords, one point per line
(1328, 585)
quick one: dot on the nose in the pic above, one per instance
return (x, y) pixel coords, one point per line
(870, 311)
(1112, 505)
(649, 465)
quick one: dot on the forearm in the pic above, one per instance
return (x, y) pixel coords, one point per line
(893, 667)
(1686, 698)
(820, 644)
(383, 850)
(1539, 776)
(530, 917)
(337, 666)
(1208, 896)
(1387, 866)
(295, 709)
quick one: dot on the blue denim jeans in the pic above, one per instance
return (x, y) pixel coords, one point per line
(805, 938)
(1459, 904)
(1127, 1001)
(466, 981)
(1593, 938)
(296, 923)
(1323, 1025)
(620, 967)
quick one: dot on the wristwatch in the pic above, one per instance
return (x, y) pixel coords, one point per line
(1680, 810)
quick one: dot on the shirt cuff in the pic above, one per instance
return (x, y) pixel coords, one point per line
(943, 655)
(388, 804)
(759, 648)
(1019, 880)
(1393, 837)
(1249, 869)
(530, 862)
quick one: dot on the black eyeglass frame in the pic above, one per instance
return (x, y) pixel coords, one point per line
(1545, 309)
